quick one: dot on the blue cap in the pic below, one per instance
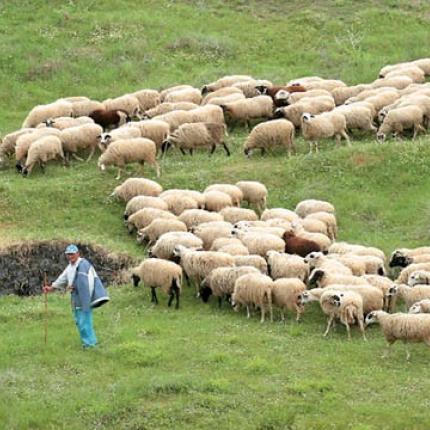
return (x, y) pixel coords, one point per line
(71, 249)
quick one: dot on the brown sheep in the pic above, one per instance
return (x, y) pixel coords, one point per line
(107, 118)
(298, 245)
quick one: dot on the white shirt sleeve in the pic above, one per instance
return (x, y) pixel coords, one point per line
(62, 281)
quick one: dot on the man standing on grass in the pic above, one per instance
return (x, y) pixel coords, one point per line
(87, 292)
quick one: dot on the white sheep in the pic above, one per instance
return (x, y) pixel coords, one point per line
(307, 207)
(286, 293)
(41, 113)
(64, 122)
(384, 284)
(143, 217)
(398, 82)
(254, 260)
(260, 243)
(321, 261)
(175, 118)
(148, 98)
(155, 130)
(157, 273)
(410, 295)
(179, 203)
(226, 81)
(222, 92)
(254, 192)
(85, 107)
(8, 143)
(279, 213)
(419, 277)
(166, 243)
(127, 103)
(208, 113)
(415, 73)
(421, 307)
(194, 217)
(157, 228)
(341, 94)
(164, 108)
(292, 98)
(125, 151)
(232, 190)
(78, 138)
(404, 274)
(215, 201)
(133, 187)
(281, 265)
(164, 93)
(234, 214)
(107, 138)
(209, 231)
(357, 116)
(329, 220)
(323, 278)
(196, 195)
(191, 95)
(219, 101)
(140, 202)
(346, 248)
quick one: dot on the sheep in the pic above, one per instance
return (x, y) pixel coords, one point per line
(415, 73)
(384, 284)
(222, 93)
(7, 145)
(421, 307)
(116, 134)
(41, 151)
(249, 88)
(275, 231)
(196, 195)
(286, 296)
(398, 82)
(226, 81)
(397, 120)
(125, 151)
(157, 228)
(279, 213)
(64, 122)
(321, 261)
(209, 113)
(252, 260)
(155, 130)
(85, 107)
(279, 93)
(253, 289)
(232, 190)
(346, 248)
(234, 214)
(320, 239)
(311, 226)
(220, 282)
(157, 273)
(194, 217)
(109, 118)
(405, 327)
(402, 260)
(179, 203)
(221, 242)
(357, 117)
(147, 98)
(175, 118)
(254, 192)
(234, 249)
(245, 110)
(41, 113)
(410, 295)
(292, 98)
(361, 264)
(81, 137)
(215, 201)
(166, 243)
(164, 93)
(400, 257)
(382, 99)
(209, 231)
(419, 277)
(140, 202)
(307, 207)
(219, 101)
(164, 108)
(341, 94)
(143, 217)
(329, 219)
(324, 84)
(323, 278)
(270, 135)
(127, 103)
(191, 95)
(312, 106)
(133, 187)
(405, 272)
(260, 243)
(197, 135)
(281, 265)
(279, 222)
(298, 245)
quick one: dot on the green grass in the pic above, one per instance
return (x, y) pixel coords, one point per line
(201, 367)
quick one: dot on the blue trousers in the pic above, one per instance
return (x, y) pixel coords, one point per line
(84, 323)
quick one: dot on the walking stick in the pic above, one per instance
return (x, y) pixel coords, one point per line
(45, 283)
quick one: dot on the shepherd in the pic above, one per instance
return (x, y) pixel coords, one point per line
(87, 292)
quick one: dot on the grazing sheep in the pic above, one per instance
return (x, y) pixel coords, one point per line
(41, 113)
(75, 139)
(419, 277)
(406, 272)
(169, 90)
(323, 278)
(125, 151)
(196, 195)
(292, 98)
(219, 101)
(279, 93)
(209, 231)
(140, 202)
(221, 242)
(398, 82)
(222, 93)
(166, 243)
(384, 284)
(157, 273)
(299, 245)
(234, 214)
(321, 239)
(253, 289)
(321, 261)
(252, 260)
(348, 248)
(255, 193)
(281, 265)
(325, 125)
(194, 217)
(143, 217)
(421, 307)
(410, 295)
(405, 327)
(361, 264)
(178, 203)
(286, 293)
(164, 108)
(215, 201)
(275, 231)
(232, 190)
(126, 103)
(402, 256)
(226, 81)
(245, 110)
(63, 122)
(41, 151)
(311, 226)
(357, 117)
(197, 135)
(220, 282)
(279, 213)
(148, 99)
(234, 249)
(270, 135)
(133, 187)
(329, 220)
(85, 107)
(116, 134)
(7, 145)
(260, 243)
(175, 118)
(157, 228)
(157, 131)
(323, 84)
(415, 73)
(190, 95)
(400, 119)
(209, 114)
(342, 94)
(249, 88)
(403, 260)
(310, 206)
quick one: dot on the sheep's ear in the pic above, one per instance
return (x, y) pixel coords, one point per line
(325, 252)
(223, 107)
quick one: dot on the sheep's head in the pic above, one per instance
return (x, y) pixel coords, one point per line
(165, 145)
(416, 278)
(336, 299)
(380, 136)
(371, 318)
(306, 117)
(304, 298)
(204, 90)
(393, 291)
(399, 259)
(49, 122)
(205, 291)
(415, 308)
(381, 115)
(151, 253)
(140, 237)
(279, 113)
(313, 257)
(262, 89)
(136, 279)
(315, 276)
(105, 139)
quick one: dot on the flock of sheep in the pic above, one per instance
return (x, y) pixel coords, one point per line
(136, 127)
(271, 258)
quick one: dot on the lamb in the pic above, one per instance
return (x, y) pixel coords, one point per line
(406, 327)
(140, 202)
(329, 124)
(253, 289)
(191, 95)
(155, 130)
(282, 265)
(133, 187)
(164, 108)
(312, 106)
(286, 296)
(260, 243)
(310, 206)
(78, 138)
(234, 214)
(419, 277)
(421, 307)
(109, 118)
(7, 145)
(196, 195)
(148, 99)
(125, 151)
(404, 274)
(298, 245)
(226, 81)
(252, 260)
(197, 135)
(157, 273)
(63, 122)
(329, 220)
(357, 117)
(255, 193)
(41, 113)
(220, 282)
(410, 295)
(270, 135)
(116, 134)
(215, 201)
(397, 120)
(245, 110)
(127, 103)
(232, 190)
(194, 217)
(178, 203)
(323, 278)
(166, 243)
(157, 228)
(41, 151)
(143, 217)
(209, 231)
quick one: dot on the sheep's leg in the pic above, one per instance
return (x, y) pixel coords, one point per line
(348, 329)
(213, 147)
(346, 137)
(219, 302)
(226, 149)
(77, 158)
(263, 151)
(91, 154)
(299, 311)
(177, 298)
(282, 315)
(119, 173)
(329, 323)
(42, 167)
(171, 297)
(310, 147)
(248, 313)
(338, 139)
(154, 296)
(361, 325)
(387, 351)
(263, 312)
(157, 169)
(408, 354)
(182, 151)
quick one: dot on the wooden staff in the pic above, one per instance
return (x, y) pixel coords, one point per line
(45, 284)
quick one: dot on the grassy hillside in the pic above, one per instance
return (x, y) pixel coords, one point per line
(201, 367)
